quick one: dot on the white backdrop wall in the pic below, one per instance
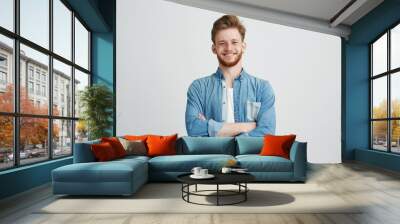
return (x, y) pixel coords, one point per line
(163, 46)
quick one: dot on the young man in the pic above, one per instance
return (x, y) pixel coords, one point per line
(230, 102)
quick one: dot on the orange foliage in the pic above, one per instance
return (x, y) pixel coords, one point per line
(34, 130)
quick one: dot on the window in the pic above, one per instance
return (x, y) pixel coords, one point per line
(81, 81)
(7, 14)
(43, 90)
(6, 142)
(3, 72)
(3, 78)
(35, 21)
(6, 72)
(62, 75)
(385, 91)
(37, 74)
(3, 61)
(62, 137)
(81, 45)
(30, 72)
(44, 131)
(62, 29)
(38, 89)
(30, 87)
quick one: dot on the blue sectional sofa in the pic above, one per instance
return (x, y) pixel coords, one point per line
(125, 176)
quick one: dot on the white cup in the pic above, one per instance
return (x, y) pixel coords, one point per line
(203, 172)
(196, 170)
(226, 170)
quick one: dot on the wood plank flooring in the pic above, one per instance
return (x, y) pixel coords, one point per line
(377, 188)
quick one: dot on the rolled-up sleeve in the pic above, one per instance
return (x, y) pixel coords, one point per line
(194, 106)
(214, 127)
(266, 115)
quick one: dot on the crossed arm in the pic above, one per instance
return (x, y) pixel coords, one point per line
(232, 129)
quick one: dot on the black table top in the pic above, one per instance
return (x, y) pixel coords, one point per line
(220, 178)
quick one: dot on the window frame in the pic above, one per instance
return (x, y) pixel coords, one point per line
(388, 74)
(16, 114)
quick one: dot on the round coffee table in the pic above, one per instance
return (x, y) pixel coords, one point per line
(238, 179)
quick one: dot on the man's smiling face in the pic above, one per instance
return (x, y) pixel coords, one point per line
(228, 47)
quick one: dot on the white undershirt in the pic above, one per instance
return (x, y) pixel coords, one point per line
(230, 117)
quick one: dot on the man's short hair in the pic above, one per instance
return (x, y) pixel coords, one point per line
(225, 22)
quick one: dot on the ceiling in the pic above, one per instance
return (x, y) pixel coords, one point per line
(326, 16)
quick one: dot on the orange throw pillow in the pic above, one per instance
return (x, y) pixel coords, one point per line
(116, 145)
(277, 145)
(161, 145)
(103, 151)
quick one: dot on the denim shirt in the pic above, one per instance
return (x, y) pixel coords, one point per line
(253, 101)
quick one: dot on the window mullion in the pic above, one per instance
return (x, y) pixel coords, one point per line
(50, 81)
(371, 98)
(73, 82)
(16, 84)
(389, 104)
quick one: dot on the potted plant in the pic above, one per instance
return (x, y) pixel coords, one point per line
(96, 102)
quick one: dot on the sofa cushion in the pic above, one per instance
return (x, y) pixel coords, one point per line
(277, 145)
(116, 145)
(249, 145)
(103, 152)
(257, 163)
(208, 145)
(136, 147)
(185, 163)
(161, 145)
(111, 171)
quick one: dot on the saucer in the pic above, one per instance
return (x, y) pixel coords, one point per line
(208, 176)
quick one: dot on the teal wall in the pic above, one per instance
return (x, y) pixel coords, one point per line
(355, 87)
(24, 178)
(103, 52)
(102, 59)
(99, 15)
(103, 63)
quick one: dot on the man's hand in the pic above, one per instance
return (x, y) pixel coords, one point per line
(248, 126)
(233, 129)
(202, 117)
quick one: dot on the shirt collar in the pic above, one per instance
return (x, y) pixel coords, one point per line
(240, 77)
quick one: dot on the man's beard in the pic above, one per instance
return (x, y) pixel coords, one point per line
(229, 64)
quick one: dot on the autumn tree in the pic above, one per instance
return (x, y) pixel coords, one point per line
(380, 127)
(33, 131)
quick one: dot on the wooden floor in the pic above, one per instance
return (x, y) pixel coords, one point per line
(377, 188)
